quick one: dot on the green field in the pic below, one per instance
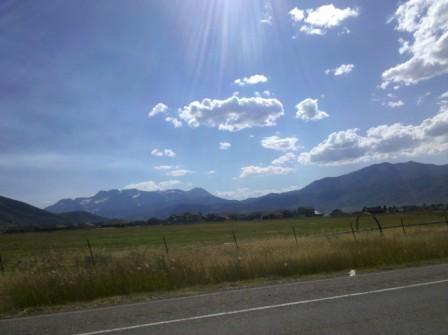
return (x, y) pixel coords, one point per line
(13, 246)
(43, 269)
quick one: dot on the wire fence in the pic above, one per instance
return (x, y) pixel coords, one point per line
(380, 228)
(354, 225)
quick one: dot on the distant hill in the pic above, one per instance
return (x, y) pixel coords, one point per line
(16, 215)
(380, 184)
(135, 204)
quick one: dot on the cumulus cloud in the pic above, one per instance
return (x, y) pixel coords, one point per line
(179, 172)
(224, 145)
(395, 104)
(160, 108)
(253, 170)
(308, 110)
(288, 157)
(174, 121)
(153, 185)
(382, 142)
(163, 153)
(232, 114)
(296, 14)
(317, 21)
(329, 16)
(341, 70)
(252, 80)
(280, 144)
(427, 22)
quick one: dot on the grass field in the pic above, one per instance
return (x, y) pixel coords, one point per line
(57, 268)
(19, 246)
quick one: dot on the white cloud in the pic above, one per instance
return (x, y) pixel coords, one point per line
(163, 153)
(267, 14)
(232, 114)
(153, 185)
(312, 31)
(344, 31)
(224, 145)
(174, 121)
(444, 95)
(395, 104)
(288, 157)
(252, 80)
(308, 110)
(382, 142)
(341, 70)
(244, 192)
(211, 172)
(253, 170)
(265, 93)
(280, 144)
(266, 19)
(329, 16)
(296, 14)
(165, 167)
(179, 172)
(427, 22)
(317, 21)
(158, 109)
(421, 98)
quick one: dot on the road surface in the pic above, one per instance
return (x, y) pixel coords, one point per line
(406, 301)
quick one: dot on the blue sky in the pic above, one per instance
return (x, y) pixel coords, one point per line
(239, 97)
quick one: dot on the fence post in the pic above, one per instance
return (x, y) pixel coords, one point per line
(295, 235)
(379, 224)
(402, 225)
(353, 231)
(2, 267)
(235, 241)
(92, 259)
(167, 250)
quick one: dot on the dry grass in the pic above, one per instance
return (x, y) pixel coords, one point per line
(65, 278)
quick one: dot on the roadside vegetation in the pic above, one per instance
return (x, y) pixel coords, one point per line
(42, 269)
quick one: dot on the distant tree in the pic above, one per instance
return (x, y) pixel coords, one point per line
(153, 221)
(305, 211)
(287, 213)
(337, 212)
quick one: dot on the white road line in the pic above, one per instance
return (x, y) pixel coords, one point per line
(219, 292)
(261, 308)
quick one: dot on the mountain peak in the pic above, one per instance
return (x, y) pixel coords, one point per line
(199, 190)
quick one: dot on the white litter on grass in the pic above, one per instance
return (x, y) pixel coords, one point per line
(352, 273)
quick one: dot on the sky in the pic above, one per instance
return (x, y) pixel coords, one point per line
(240, 97)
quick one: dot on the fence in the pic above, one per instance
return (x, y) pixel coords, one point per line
(380, 228)
(354, 225)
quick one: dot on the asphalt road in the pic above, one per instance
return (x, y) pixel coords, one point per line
(407, 301)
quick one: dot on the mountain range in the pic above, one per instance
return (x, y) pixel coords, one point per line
(380, 184)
